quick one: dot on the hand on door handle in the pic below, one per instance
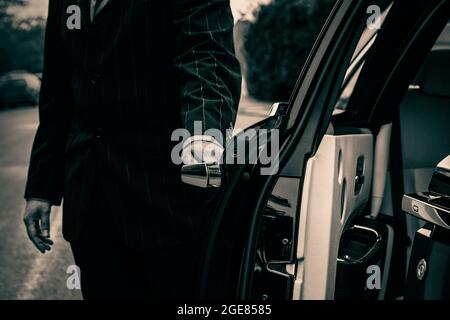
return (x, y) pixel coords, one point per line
(202, 175)
(201, 156)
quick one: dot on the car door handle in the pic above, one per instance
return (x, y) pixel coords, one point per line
(202, 175)
(359, 176)
(359, 181)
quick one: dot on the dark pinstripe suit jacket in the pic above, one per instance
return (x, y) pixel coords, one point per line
(111, 95)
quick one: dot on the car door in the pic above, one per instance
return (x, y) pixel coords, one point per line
(230, 250)
(279, 235)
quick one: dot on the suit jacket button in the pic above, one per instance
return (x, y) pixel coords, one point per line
(95, 78)
(99, 133)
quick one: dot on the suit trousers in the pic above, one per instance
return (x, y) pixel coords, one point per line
(111, 270)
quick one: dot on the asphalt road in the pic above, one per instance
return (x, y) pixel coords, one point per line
(25, 273)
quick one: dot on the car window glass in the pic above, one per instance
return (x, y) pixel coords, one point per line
(271, 59)
(365, 43)
(443, 41)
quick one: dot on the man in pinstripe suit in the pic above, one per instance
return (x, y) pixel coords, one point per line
(112, 94)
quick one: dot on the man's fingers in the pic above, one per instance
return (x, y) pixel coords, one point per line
(212, 153)
(33, 234)
(46, 240)
(37, 222)
(187, 158)
(40, 245)
(45, 224)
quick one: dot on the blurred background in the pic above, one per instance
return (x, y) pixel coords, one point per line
(272, 39)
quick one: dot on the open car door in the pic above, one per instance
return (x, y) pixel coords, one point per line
(235, 263)
(293, 227)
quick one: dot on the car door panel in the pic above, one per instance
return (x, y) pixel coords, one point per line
(336, 188)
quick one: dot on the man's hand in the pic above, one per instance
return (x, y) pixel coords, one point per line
(37, 222)
(201, 149)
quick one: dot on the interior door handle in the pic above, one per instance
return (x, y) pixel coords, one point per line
(359, 181)
(359, 176)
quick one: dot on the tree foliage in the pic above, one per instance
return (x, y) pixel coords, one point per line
(21, 41)
(277, 45)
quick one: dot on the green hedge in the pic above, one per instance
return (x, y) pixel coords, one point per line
(277, 45)
(21, 42)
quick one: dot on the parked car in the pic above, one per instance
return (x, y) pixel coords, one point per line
(19, 87)
(364, 129)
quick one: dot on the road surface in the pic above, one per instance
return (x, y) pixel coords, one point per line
(24, 272)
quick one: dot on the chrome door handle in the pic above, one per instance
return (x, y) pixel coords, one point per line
(202, 175)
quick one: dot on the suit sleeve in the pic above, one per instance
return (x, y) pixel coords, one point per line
(205, 58)
(46, 171)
